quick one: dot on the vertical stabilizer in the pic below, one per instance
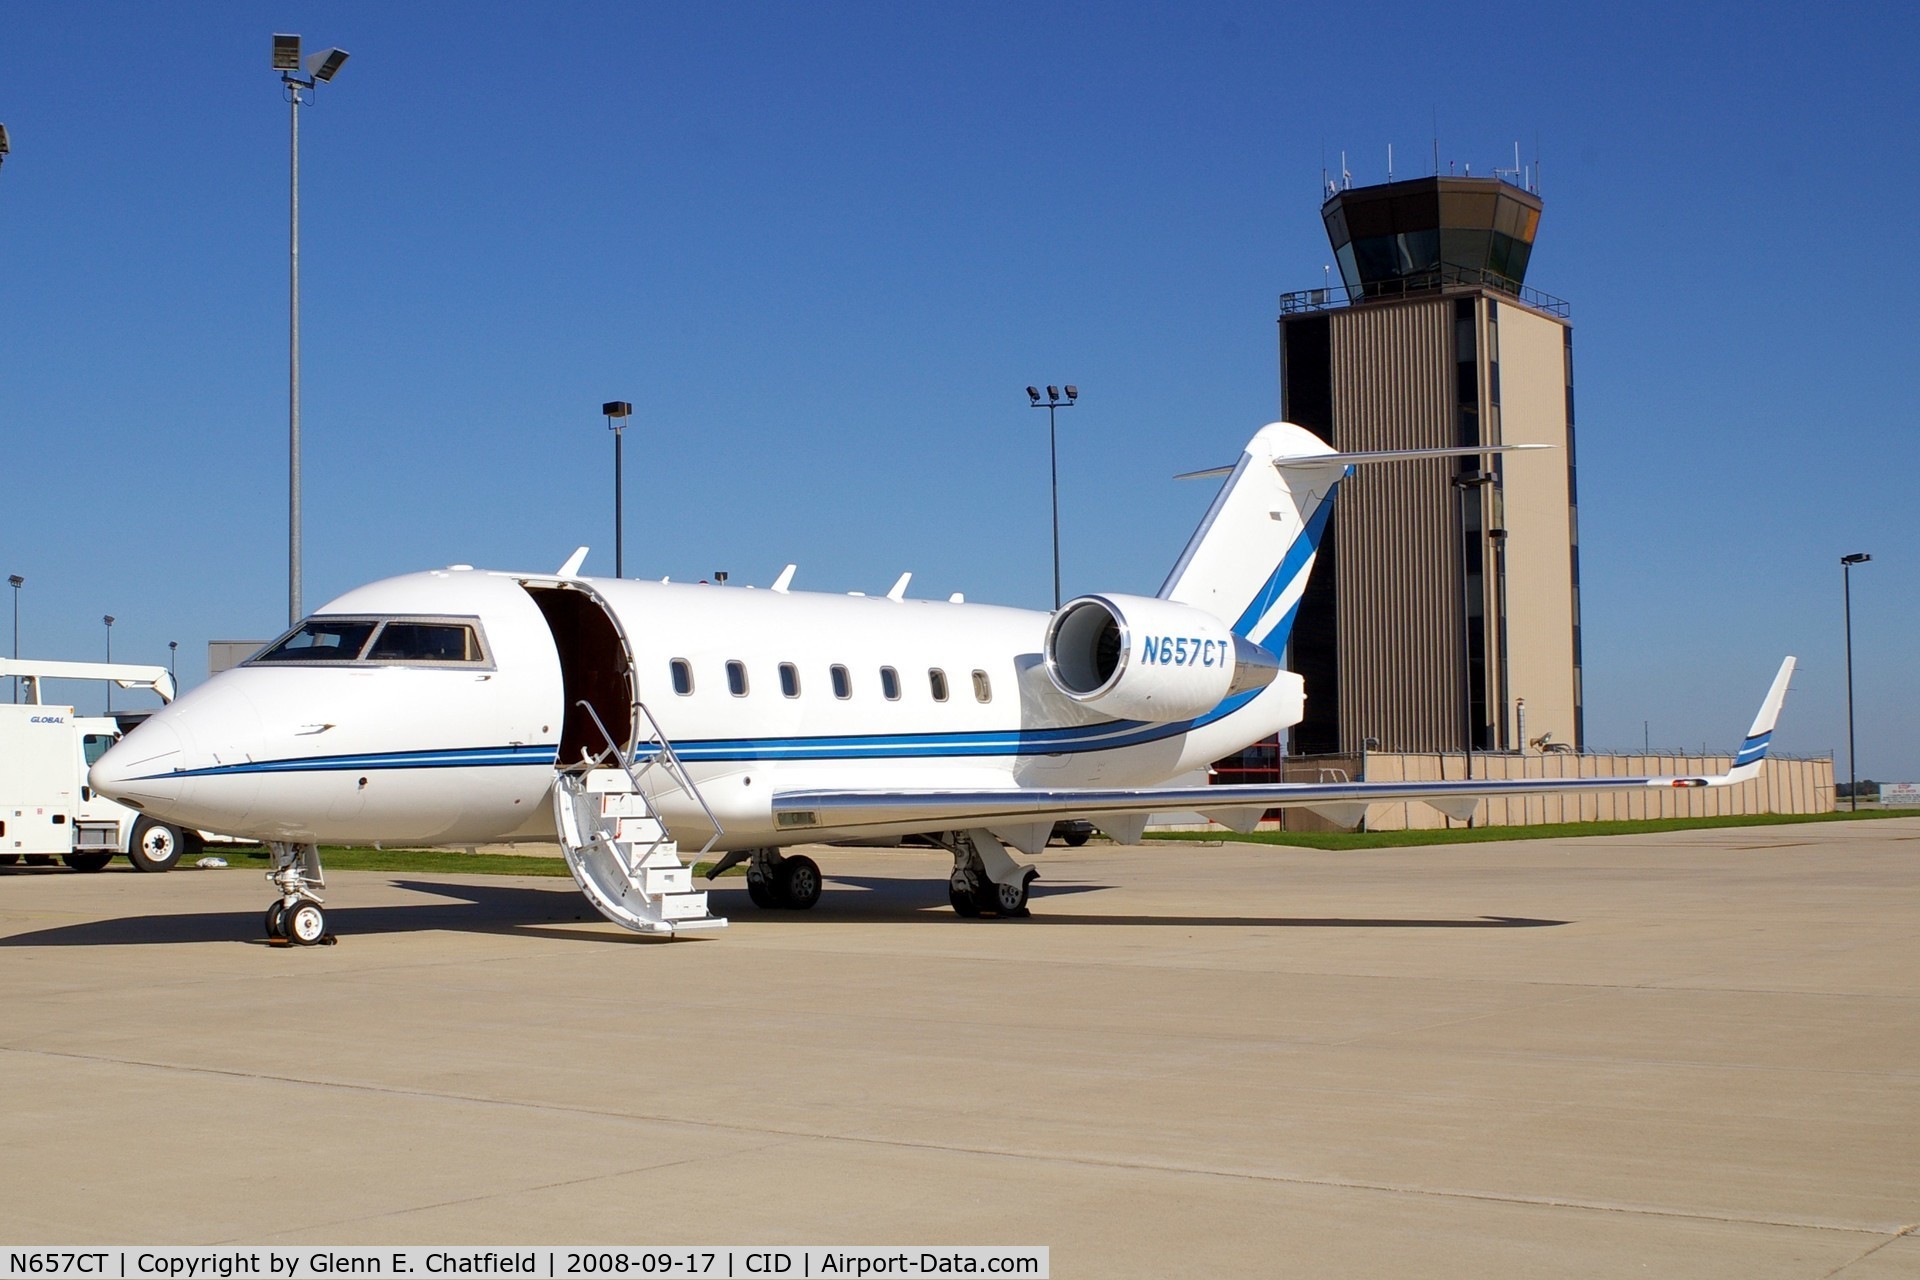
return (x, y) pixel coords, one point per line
(1247, 563)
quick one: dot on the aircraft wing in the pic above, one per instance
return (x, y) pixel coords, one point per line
(1235, 805)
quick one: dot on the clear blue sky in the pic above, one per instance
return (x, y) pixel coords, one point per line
(822, 248)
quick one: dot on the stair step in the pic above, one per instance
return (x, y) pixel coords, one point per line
(608, 782)
(656, 880)
(683, 906)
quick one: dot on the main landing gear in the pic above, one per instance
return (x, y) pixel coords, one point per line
(775, 882)
(986, 881)
(297, 915)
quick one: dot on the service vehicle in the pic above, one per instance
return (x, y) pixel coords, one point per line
(47, 808)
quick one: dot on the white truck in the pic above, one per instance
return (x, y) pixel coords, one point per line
(47, 810)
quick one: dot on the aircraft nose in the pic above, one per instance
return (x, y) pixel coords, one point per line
(142, 769)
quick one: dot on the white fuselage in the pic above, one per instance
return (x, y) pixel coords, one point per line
(465, 751)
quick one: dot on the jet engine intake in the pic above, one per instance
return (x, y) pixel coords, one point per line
(1142, 658)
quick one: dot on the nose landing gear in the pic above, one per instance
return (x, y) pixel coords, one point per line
(297, 916)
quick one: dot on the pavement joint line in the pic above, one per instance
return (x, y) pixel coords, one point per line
(498, 1195)
(1148, 1166)
(1473, 1017)
(1899, 1235)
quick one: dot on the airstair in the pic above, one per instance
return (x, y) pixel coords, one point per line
(620, 852)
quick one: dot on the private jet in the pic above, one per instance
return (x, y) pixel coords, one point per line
(625, 718)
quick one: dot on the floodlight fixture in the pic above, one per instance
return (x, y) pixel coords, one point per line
(1051, 404)
(1846, 586)
(617, 413)
(15, 580)
(286, 52)
(325, 65)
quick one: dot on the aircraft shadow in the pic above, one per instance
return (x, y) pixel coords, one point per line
(548, 913)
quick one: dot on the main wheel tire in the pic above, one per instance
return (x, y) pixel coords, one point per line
(960, 896)
(799, 882)
(306, 924)
(762, 892)
(155, 846)
(1011, 899)
(277, 920)
(89, 860)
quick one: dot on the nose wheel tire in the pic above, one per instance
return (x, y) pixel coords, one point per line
(155, 846)
(799, 881)
(306, 924)
(277, 920)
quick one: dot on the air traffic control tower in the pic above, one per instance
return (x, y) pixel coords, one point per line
(1445, 607)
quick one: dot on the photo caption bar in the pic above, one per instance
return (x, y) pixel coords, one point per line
(543, 1262)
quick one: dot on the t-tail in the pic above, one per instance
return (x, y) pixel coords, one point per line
(1248, 562)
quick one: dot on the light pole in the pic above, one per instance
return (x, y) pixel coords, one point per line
(1050, 404)
(173, 648)
(1846, 586)
(320, 68)
(1461, 483)
(109, 621)
(16, 582)
(617, 413)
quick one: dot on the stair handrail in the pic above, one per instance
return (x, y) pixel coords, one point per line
(674, 766)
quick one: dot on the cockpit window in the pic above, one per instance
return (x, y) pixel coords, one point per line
(368, 642)
(424, 642)
(321, 640)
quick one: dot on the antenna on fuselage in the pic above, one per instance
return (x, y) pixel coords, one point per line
(899, 591)
(785, 579)
(571, 569)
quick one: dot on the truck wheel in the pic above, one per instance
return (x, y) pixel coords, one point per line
(155, 846)
(8, 859)
(90, 860)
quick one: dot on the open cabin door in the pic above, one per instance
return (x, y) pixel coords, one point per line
(596, 667)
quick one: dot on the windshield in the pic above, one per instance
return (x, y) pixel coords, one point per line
(368, 642)
(321, 640)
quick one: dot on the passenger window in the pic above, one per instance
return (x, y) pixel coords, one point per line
(425, 642)
(682, 676)
(842, 683)
(737, 679)
(937, 681)
(319, 640)
(789, 680)
(982, 687)
(890, 683)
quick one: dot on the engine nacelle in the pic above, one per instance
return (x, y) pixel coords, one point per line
(1140, 658)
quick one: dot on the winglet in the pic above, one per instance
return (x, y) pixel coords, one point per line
(571, 569)
(785, 580)
(1754, 750)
